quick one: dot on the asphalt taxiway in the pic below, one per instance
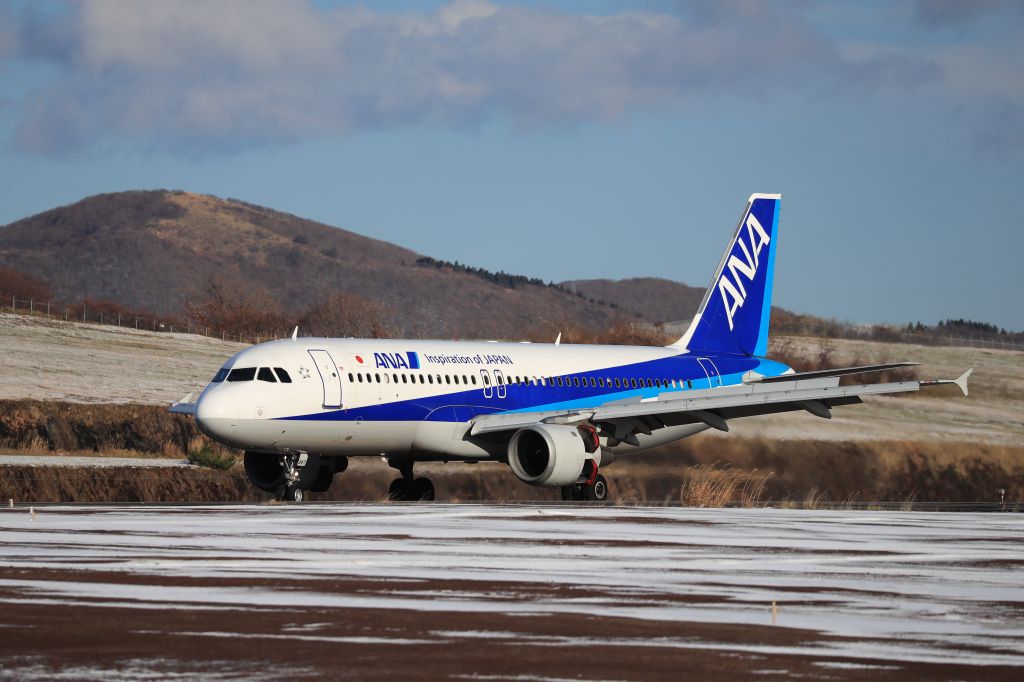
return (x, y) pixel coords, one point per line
(508, 592)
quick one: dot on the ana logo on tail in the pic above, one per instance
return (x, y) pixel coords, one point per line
(733, 292)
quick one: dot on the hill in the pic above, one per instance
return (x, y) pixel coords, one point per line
(654, 299)
(160, 250)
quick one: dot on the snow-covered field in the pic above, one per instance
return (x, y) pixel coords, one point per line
(854, 591)
(47, 359)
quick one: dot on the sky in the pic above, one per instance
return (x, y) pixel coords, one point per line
(560, 140)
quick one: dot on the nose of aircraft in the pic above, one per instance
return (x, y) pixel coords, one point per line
(214, 416)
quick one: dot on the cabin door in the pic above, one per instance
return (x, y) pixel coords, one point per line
(499, 383)
(714, 379)
(485, 378)
(329, 376)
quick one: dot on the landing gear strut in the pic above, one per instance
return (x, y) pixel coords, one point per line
(407, 488)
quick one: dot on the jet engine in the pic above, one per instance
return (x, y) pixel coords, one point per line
(266, 472)
(551, 454)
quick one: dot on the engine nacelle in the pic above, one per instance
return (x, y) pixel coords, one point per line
(548, 454)
(266, 472)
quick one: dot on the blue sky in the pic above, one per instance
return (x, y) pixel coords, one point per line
(559, 140)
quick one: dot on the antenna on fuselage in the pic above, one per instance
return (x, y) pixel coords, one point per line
(558, 339)
(295, 333)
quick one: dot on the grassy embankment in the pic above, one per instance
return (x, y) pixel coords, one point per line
(705, 470)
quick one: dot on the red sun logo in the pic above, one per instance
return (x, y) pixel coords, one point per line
(359, 359)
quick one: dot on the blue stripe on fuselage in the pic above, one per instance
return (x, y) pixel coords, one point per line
(529, 398)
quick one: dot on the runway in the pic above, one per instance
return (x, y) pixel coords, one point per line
(508, 592)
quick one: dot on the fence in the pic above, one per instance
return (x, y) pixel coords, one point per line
(98, 314)
(70, 311)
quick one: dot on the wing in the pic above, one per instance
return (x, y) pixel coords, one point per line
(620, 422)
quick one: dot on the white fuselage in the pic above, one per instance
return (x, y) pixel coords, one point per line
(418, 398)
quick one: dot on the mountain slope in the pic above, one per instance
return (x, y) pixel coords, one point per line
(653, 298)
(156, 250)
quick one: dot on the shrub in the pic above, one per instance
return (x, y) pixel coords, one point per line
(206, 456)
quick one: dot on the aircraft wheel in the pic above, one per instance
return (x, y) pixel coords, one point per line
(598, 492)
(568, 493)
(293, 493)
(399, 491)
(422, 490)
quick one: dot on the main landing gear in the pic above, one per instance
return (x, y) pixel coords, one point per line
(407, 488)
(593, 489)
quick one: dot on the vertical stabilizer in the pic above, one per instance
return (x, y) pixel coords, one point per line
(733, 317)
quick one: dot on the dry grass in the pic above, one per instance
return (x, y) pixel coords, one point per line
(706, 470)
(718, 485)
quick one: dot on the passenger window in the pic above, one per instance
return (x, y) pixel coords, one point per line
(351, 379)
(405, 379)
(266, 375)
(487, 380)
(376, 377)
(448, 379)
(422, 380)
(285, 379)
(430, 378)
(593, 381)
(438, 378)
(395, 377)
(472, 379)
(221, 374)
(632, 383)
(242, 374)
(600, 382)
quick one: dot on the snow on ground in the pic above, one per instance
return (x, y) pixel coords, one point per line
(74, 461)
(47, 359)
(933, 588)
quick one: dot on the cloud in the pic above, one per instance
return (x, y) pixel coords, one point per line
(235, 73)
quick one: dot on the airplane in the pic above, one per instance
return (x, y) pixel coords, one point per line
(555, 413)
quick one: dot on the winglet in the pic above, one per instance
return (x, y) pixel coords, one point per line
(961, 381)
(295, 333)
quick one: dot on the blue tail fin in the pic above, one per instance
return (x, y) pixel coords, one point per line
(733, 318)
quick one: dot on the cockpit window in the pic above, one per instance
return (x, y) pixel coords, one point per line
(283, 375)
(266, 375)
(242, 374)
(220, 375)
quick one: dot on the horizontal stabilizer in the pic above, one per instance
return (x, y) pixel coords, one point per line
(822, 373)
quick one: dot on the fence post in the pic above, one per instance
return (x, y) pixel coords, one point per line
(48, 308)
(119, 319)
(31, 305)
(13, 302)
